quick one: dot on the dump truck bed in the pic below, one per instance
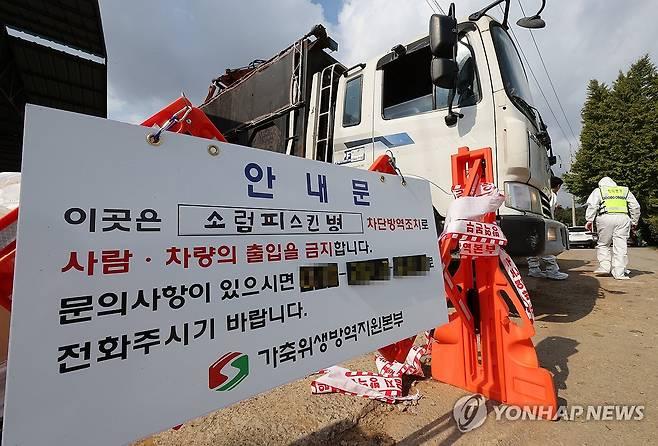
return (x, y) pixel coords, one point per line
(257, 109)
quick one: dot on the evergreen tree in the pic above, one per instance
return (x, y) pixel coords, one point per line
(619, 139)
(563, 215)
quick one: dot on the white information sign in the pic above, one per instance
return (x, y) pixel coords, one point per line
(157, 284)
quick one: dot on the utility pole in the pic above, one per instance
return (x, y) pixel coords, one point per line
(573, 210)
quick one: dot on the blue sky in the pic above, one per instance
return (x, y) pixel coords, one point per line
(331, 9)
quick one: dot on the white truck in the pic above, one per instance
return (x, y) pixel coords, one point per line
(464, 84)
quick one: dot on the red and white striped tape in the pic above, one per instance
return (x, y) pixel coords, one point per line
(411, 366)
(385, 386)
(519, 287)
(475, 231)
(483, 190)
(477, 239)
(368, 385)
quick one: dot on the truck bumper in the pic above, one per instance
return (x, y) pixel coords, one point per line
(533, 236)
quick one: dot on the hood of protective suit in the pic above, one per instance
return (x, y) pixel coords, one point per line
(607, 181)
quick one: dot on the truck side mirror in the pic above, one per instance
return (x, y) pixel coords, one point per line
(443, 36)
(444, 73)
(535, 21)
(443, 46)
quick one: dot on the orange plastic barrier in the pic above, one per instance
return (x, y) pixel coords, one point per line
(182, 117)
(481, 349)
(398, 351)
(383, 164)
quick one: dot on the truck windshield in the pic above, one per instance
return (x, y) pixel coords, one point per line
(511, 69)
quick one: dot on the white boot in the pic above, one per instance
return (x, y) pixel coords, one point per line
(604, 268)
(619, 274)
(536, 272)
(552, 269)
(556, 275)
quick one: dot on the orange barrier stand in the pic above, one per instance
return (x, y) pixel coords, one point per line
(481, 349)
(182, 117)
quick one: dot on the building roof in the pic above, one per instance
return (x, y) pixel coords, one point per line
(75, 23)
(34, 73)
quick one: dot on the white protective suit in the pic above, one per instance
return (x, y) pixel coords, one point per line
(613, 229)
(552, 268)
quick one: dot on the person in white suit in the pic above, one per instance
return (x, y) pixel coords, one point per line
(534, 263)
(615, 210)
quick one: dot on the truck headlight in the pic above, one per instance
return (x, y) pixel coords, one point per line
(522, 197)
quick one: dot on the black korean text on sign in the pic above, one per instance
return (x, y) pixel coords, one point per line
(275, 219)
(261, 317)
(215, 221)
(220, 221)
(304, 348)
(114, 219)
(275, 283)
(79, 356)
(78, 309)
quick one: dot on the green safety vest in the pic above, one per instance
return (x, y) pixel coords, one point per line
(613, 200)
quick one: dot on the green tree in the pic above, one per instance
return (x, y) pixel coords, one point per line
(619, 139)
(563, 215)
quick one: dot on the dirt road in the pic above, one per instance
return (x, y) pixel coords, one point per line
(596, 335)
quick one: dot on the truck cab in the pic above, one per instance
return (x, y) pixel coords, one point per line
(303, 102)
(390, 104)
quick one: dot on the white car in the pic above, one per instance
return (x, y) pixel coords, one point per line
(581, 237)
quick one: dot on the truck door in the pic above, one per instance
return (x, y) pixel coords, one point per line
(409, 112)
(353, 123)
